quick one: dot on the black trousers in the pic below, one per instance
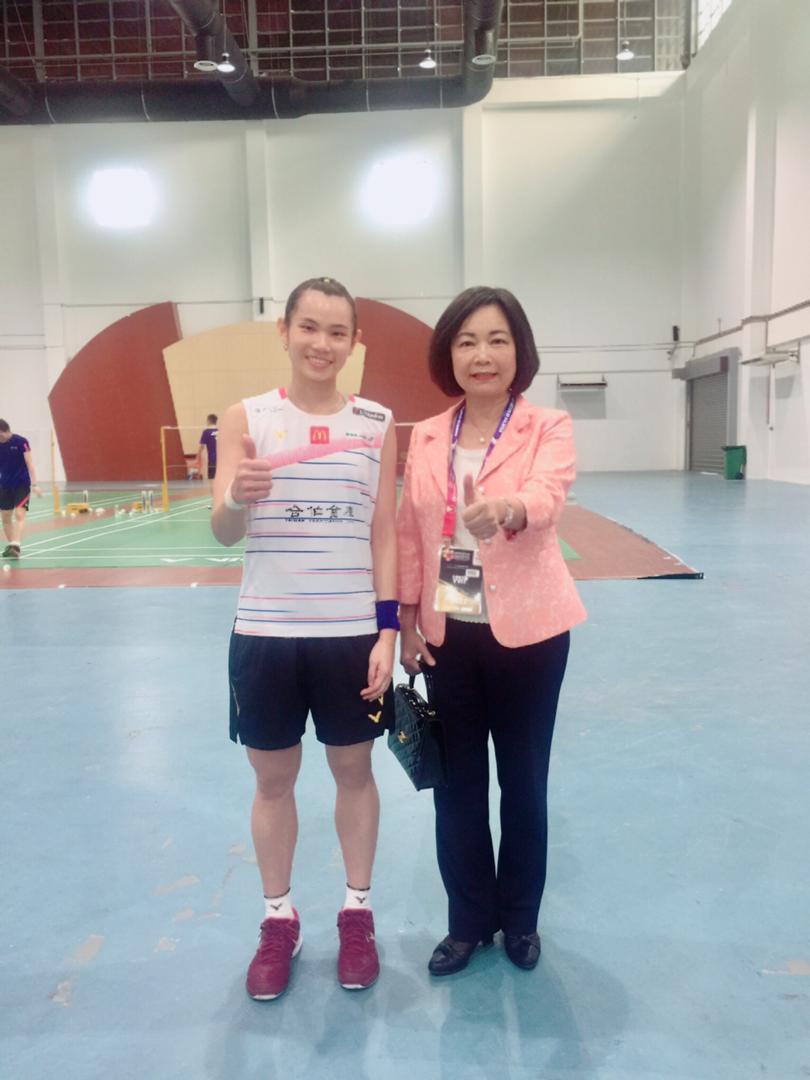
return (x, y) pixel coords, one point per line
(483, 688)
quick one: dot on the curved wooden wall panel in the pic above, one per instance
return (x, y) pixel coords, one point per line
(209, 371)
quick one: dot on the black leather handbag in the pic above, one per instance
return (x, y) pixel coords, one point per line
(417, 740)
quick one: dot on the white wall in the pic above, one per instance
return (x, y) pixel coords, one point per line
(581, 219)
(318, 224)
(23, 373)
(195, 251)
(747, 147)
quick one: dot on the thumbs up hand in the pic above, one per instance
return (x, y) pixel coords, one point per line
(481, 515)
(253, 478)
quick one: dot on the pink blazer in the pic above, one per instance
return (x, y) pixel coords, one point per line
(530, 594)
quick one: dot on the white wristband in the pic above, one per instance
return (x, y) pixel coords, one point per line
(509, 516)
(230, 501)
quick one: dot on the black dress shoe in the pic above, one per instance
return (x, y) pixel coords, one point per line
(451, 956)
(522, 949)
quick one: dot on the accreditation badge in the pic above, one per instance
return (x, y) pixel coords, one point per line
(460, 582)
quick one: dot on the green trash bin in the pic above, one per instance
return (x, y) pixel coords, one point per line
(735, 462)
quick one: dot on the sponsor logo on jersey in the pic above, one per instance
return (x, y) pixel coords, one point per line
(318, 434)
(369, 415)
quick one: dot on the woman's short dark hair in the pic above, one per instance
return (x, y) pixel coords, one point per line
(459, 310)
(326, 285)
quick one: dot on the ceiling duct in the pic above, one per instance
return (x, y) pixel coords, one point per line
(214, 42)
(116, 102)
(16, 97)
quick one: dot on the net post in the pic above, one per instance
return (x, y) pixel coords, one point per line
(165, 486)
(56, 507)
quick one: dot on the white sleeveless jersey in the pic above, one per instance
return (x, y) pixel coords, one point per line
(308, 569)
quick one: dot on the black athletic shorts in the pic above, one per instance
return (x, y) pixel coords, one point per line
(276, 682)
(10, 498)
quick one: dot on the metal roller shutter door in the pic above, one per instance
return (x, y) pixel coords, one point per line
(709, 415)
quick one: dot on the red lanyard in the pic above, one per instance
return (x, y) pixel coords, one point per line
(449, 526)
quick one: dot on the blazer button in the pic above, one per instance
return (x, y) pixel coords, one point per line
(492, 588)
(488, 540)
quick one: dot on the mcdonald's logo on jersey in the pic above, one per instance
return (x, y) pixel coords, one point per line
(319, 435)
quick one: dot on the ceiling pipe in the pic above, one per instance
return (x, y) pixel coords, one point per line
(214, 41)
(15, 97)
(118, 102)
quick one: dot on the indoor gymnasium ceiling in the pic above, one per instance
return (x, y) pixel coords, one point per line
(77, 61)
(82, 41)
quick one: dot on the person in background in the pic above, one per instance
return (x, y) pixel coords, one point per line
(307, 476)
(17, 481)
(487, 601)
(208, 446)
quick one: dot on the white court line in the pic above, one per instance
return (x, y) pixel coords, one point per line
(44, 556)
(150, 519)
(147, 553)
(38, 515)
(106, 525)
(156, 548)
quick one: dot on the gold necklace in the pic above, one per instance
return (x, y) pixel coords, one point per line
(482, 437)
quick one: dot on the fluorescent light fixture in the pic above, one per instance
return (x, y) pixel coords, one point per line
(427, 62)
(122, 198)
(400, 191)
(225, 66)
(625, 52)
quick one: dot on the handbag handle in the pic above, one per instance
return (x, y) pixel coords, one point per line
(427, 675)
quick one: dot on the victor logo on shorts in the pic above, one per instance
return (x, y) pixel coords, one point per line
(319, 434)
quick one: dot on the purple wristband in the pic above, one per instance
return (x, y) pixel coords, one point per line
(387, 614)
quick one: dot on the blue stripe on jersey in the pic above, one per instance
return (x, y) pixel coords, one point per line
(360, 453)
(326, 502)
(278, 477)
(338, 569)
(321, 622)
(282, 536)
(276, 611)
(302, 535)
(285, 551)
(349, 592)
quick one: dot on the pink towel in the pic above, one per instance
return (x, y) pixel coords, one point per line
(319, 450)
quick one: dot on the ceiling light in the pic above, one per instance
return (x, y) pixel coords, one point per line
(225, 67)
(625, 52)
(427, 62)
(206, 56)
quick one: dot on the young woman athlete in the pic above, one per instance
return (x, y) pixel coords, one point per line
(307, 476)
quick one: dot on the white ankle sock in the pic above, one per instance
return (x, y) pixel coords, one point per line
(357, 898)
(278, 907)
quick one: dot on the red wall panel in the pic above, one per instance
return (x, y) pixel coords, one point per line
(110, 401)
(396, 368)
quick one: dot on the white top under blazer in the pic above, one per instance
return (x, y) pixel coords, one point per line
(308, 569)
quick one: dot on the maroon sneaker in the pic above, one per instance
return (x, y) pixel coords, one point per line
(358, 963)
(269, 971)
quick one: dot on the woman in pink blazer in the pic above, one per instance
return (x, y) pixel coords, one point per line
(486, 601)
